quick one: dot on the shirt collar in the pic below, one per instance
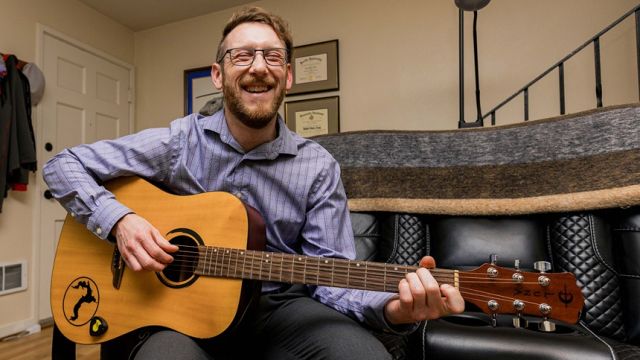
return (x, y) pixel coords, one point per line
(283, 144)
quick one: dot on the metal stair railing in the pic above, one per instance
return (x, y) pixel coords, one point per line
(595, 40)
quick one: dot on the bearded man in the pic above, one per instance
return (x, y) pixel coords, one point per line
(247, 150)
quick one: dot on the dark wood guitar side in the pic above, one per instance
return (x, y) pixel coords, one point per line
(205, 290)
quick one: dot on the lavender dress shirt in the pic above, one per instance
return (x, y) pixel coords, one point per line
(293, 182)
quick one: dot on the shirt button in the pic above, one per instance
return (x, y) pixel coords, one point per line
(98, 230)
(72, 214)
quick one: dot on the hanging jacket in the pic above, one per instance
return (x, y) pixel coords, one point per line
(17, 141)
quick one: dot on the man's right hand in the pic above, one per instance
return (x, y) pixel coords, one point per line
(141, 245)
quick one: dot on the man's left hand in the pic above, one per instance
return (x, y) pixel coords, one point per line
(420, 297)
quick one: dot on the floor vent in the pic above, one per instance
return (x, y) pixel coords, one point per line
(13, 277)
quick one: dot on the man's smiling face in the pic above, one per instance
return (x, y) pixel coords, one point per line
(252, 93)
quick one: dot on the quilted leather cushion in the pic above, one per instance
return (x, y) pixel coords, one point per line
(403, 239)
(579, 247)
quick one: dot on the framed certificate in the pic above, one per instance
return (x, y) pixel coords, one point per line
(198, 89)
(315, 68)
(313, 117)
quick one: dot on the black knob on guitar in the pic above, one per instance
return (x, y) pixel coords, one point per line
(48, 195)
(98, 326)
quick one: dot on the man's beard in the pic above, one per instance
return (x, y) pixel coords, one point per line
(253, 118)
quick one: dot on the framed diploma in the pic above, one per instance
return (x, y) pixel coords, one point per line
(313, 117)
(315, 68)
(198, 89)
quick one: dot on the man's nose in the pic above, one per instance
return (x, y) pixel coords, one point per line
(259, 63)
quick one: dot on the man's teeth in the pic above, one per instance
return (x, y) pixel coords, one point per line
(257, 89)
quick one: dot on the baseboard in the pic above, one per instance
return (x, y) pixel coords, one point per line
(46, 322)
(19, 328)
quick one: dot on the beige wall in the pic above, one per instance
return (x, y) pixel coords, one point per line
(18, 223)
(398, 69)
(399, 59)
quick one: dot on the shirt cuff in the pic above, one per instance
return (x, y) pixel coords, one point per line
(105, 217)
(378, 305)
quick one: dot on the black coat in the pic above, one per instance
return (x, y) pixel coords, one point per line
(17, 141)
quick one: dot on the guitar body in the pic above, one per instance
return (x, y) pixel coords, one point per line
(84, 297)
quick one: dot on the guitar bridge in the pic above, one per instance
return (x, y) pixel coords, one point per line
(117, 267)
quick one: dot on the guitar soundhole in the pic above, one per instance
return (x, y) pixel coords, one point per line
(181, 272)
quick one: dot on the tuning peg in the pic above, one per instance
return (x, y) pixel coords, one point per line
(542, 266)
(494, 320)
(493, 306)
(546, 326)
(491, 270)
(519, 321)
(516, 264)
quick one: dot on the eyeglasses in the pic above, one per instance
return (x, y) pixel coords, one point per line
(245, 57)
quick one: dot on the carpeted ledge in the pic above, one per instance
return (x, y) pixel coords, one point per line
(587, 160)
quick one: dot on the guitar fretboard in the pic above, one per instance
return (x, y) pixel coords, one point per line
(299, 269)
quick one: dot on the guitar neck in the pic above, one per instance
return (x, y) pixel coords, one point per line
(299, 269)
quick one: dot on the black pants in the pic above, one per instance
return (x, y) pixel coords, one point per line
(288, 325)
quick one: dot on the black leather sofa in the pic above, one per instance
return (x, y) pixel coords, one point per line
(602, 248)
(562, 190)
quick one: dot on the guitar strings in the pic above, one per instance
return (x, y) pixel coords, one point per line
(484, 296)
(372, 269)
(225, 269)
(390, 282)
(468, 293)
(380, 276)
(221, 269)
(376, 274)
(256, 255)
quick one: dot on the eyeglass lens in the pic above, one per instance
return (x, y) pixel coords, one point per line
(245, 57)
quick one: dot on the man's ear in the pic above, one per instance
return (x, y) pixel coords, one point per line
(216, 75)
(289, 82)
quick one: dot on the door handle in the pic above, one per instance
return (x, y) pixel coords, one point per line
(47, 194)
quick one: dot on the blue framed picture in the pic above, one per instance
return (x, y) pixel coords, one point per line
(198, 89)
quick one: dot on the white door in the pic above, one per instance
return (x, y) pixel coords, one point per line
(87, 98)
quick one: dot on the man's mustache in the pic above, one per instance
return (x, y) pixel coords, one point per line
(256, 81)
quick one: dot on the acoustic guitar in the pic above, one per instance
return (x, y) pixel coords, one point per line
(204, 292)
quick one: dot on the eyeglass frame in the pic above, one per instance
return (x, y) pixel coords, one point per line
(255, 51)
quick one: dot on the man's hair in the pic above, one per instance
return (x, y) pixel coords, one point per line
(259, 15)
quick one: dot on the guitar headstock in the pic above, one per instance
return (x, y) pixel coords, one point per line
(498, 290)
